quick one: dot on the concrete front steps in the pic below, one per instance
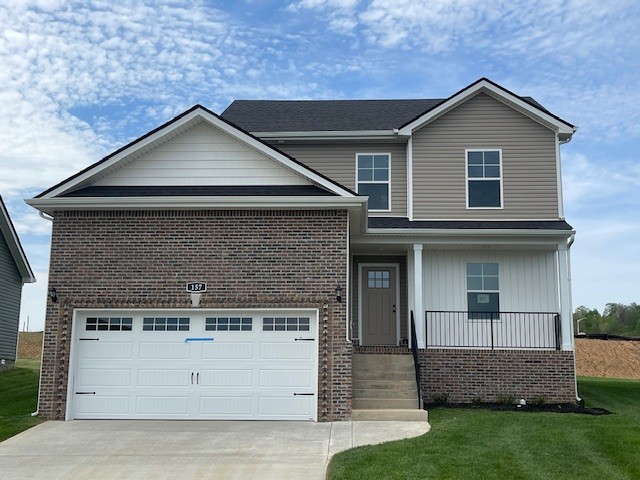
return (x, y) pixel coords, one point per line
(384, 389)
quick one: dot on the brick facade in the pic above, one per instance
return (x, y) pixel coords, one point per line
(248, 258)
(488, 374)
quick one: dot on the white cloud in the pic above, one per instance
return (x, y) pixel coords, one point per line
(599, 180)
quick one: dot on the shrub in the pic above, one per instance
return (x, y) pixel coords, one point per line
(505, 399)
(440, 398)
(538, 401)
(476, 400)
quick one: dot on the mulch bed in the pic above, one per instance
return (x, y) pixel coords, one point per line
(547, 408)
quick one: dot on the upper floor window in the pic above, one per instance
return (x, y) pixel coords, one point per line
(484, 179)
(373, 179)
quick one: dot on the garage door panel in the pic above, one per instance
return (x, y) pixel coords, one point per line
(285, 378)
(105, 350)
(285, 406)
(289, 350)
(159, 377)
(164, 351)
(226, 378)
(226, 406)
(100, 377)
(228, 350)
(162, 405)
(92, 406)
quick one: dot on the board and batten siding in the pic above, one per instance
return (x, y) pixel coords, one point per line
(338, 162)
(10, 293)
(528, 163)
(528, 280)
(203, 156)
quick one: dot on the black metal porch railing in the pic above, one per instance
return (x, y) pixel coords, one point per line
(416, 358)
(494, 330)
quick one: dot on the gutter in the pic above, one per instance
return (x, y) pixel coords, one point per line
(47, 205)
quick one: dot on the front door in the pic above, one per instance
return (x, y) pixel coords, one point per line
(379, 305)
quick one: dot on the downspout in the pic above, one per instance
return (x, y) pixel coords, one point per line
(37, 412)
(569, 243)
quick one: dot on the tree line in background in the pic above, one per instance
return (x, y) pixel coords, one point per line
(616, 319)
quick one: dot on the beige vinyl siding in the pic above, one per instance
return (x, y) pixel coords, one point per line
(338, 162)
(203, 156)
(528, 162)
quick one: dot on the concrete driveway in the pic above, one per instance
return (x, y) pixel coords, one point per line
(109, 449)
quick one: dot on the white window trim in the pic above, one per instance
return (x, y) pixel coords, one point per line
(388, 154)
(466, 277)
(466, 177)
(395, 266)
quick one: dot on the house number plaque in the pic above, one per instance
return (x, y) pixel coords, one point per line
(196, 287)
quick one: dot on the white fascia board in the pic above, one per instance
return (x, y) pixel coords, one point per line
(397, 232)
(328, 134)
(187, 202)
(223, 126)
(562, 128)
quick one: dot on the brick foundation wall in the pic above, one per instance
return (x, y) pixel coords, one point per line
(488, 374)
(248, 258)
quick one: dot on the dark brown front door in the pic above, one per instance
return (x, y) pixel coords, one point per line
(379, 305)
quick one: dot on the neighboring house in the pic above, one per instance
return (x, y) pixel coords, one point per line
(310, 233)
(14, 273)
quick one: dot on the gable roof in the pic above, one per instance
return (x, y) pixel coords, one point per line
(15, 247)
(525, 105)
(397, 116)
(171, 129)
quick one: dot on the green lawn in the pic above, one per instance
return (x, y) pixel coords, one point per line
(18, 398)
(482, 444)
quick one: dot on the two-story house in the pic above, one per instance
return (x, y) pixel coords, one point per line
(314, 260)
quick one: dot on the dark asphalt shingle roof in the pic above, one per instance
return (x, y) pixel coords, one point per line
(212, 191)
(328, 115)
(405, 223)
(324, 115)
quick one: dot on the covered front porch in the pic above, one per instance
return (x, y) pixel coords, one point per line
(486, 292)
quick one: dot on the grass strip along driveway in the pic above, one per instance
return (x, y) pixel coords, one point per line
(18, 398)
(483, 444)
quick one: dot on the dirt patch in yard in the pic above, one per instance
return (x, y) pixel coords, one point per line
(608, 358)
(30, 345)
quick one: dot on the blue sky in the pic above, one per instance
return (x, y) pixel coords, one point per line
(80, 79)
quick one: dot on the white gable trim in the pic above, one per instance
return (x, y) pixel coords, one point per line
(484, 85)
(13, 242)
(191, 117)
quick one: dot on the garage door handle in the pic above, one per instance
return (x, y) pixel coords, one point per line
(85, 393)
(191, 378)
(96, 339)
(198, 378)
(303, 394)
(304, 339)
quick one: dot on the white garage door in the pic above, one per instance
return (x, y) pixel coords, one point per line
(246, 365)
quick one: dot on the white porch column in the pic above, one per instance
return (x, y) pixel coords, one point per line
(566, 309)
(418, 305)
